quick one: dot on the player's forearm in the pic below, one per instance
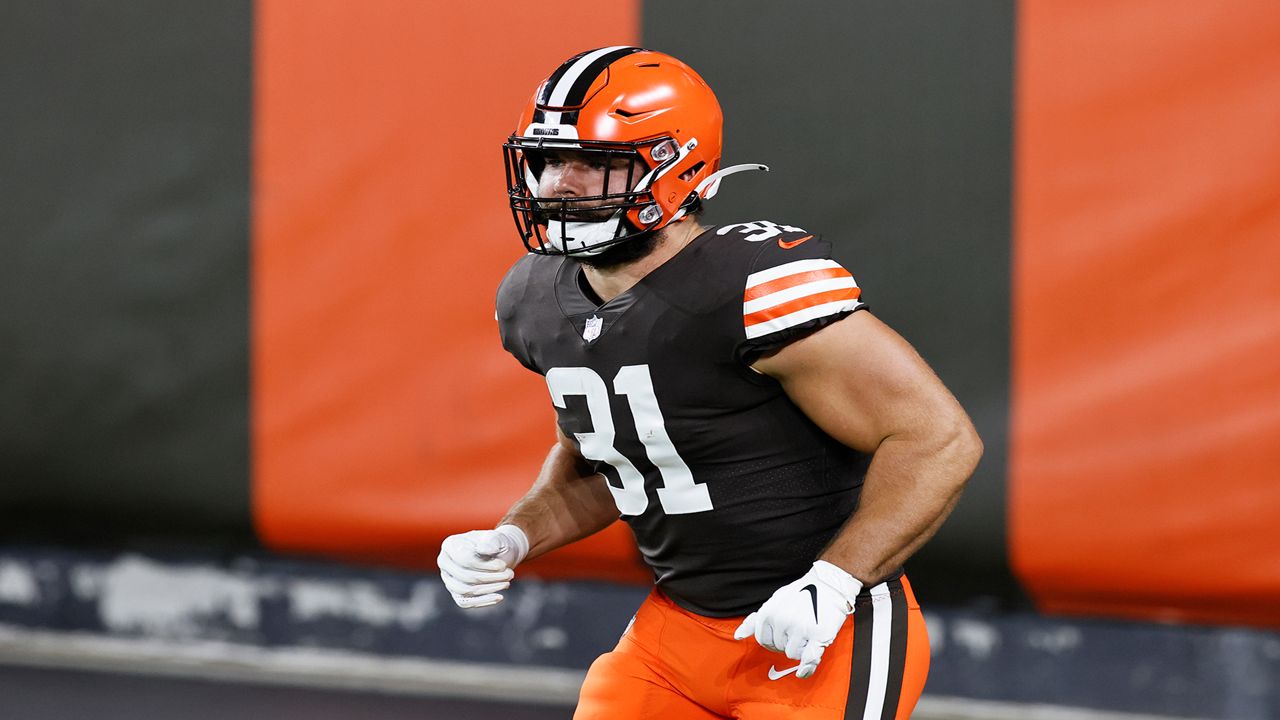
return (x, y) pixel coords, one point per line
(566, 503)
(911, 487)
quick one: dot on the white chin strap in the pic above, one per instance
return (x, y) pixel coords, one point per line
(710, 185)
(582, 238)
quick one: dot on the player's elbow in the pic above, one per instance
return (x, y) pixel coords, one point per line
(963, 447)
(953, 444)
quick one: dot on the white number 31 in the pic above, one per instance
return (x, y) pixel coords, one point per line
(679, 495)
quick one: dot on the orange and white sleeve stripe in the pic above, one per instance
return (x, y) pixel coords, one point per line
(795, 293)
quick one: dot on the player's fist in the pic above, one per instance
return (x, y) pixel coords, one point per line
(802, 618)
(476, 565)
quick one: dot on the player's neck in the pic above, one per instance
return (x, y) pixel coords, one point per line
(609, 283)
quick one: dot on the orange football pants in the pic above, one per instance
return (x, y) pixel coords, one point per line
(675, 665)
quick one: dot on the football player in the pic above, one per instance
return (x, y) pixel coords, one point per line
(777, 450)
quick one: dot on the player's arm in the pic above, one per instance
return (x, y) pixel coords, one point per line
(568, 501)
(864, 385)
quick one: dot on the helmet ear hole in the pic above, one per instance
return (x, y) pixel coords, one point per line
(689, 174)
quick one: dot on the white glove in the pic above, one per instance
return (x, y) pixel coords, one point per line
(802, 618)
(476, 565)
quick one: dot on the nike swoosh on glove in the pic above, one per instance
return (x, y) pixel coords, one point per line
(802, 618)
(476, 565)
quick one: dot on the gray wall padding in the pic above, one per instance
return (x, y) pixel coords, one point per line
(888, 128)
(124, 280)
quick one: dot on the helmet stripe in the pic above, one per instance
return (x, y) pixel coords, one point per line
(568, 85)
(544, 93)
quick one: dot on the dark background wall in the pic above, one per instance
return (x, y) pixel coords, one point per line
(124, 319)
(887, 128)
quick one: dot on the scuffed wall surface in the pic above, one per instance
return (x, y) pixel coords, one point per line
(309, 619)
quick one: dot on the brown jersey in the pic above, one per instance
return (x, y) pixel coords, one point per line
(730, 489)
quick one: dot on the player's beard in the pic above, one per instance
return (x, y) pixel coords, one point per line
(627, 251)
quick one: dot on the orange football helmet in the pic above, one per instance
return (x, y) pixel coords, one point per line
(628, 102)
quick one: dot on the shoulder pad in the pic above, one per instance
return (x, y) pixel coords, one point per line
(518, 281)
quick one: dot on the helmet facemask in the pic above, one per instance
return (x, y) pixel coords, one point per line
(588, 224)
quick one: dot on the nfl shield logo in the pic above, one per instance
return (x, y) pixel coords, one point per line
(592, 330)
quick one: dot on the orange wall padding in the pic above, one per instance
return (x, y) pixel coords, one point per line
(1145, 462)
(385, 414)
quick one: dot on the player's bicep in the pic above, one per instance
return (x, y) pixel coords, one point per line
(861, 382)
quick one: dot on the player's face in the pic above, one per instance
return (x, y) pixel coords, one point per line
(568, 174)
